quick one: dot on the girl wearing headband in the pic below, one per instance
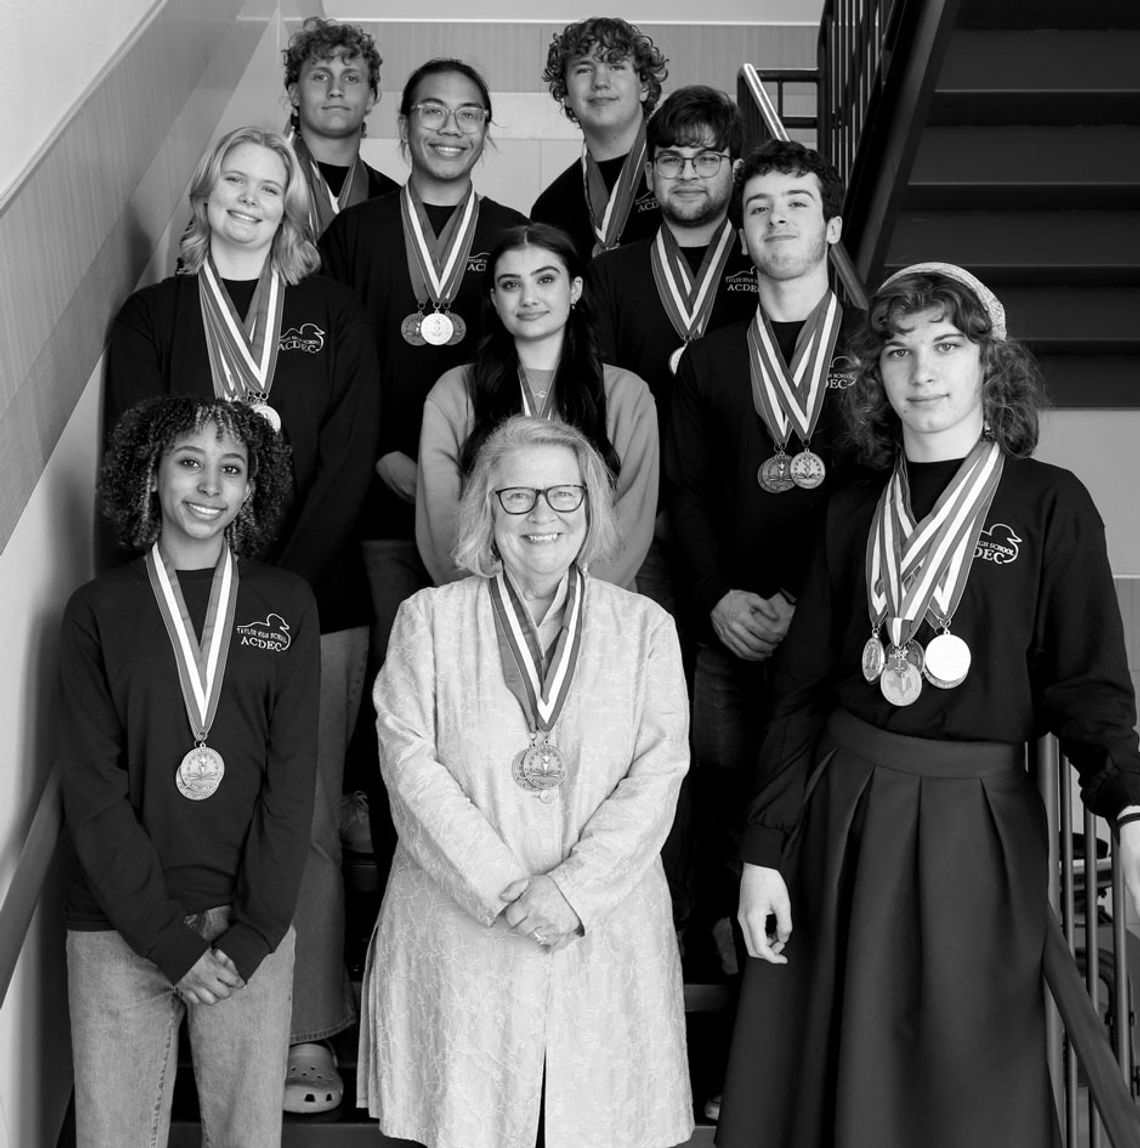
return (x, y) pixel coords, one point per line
(894, 886)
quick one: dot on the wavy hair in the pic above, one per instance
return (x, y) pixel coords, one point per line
(611, 39)
(1012, 392)
(150, 429)
(579, 380)
(475, 548)
(789, 157)
(320, 39)
(294, 252)
(693, 114)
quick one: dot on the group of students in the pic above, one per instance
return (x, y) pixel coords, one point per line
(286, 455)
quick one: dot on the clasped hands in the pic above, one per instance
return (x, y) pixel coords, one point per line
(538, 910)
(213, 977)
(751, 626)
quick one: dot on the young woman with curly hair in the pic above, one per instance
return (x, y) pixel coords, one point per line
(187, 750)
(607, 75)
(894, 889)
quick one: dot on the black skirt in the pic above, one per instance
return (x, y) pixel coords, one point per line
(911, 1011)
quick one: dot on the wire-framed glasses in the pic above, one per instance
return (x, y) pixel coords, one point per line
(706, 163)
(469, 118)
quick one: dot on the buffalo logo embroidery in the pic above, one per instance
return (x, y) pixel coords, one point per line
(308, 338)
(841, 373)
(741, 281)
(478, 262)
(272, 634)
(998, 545)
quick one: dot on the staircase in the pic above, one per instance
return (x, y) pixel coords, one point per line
(1027, 171)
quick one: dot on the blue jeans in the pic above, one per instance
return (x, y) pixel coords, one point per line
(322, 994)
(125, 1017)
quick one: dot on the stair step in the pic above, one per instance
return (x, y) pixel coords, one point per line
(1065, 247)
(1049, 14)
(1103, 381)
(1062, 319)
(1026, 167)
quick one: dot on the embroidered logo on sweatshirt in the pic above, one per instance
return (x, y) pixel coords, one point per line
(741, 281)
(272, 634)
(998, 545)
(308, 338)
(646, 202)
(841, 373)
(478, 261)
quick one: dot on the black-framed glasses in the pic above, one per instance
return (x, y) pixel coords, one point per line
(523, 499)
(469, 118)
(705, 164)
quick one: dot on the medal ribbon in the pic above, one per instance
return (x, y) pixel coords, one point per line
(243, 356)
(541, 694)
(436, 265)
(531, 406)
(920, 570)
(609, 210)
(791, 397)
(689, 302)
(201, 666)
(324, 205)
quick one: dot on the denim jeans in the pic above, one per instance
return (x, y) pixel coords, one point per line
(322, 994)
(125, 1017)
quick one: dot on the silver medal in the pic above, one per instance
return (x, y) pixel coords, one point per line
(437, 328)
(200, 773)
(947, 661)
(807, 470)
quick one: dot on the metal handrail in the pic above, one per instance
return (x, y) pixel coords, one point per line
(749, 81)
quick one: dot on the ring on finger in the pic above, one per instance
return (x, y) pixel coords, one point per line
(539, 938)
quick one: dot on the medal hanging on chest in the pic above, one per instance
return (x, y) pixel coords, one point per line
(688, 300)
(790, 398)
(537, 404)
(609, 211)
(540, 766)
(324, 206)
(918, 571)
(436, 266)
(201, 665)
(243, 355)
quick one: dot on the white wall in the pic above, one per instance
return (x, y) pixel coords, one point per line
(545, 11)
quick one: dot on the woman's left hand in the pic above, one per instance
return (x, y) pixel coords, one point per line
(539, 911)
(1130, 860)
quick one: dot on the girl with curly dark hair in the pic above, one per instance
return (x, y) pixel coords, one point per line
(958, 606)
(539, 356)
(187, 752)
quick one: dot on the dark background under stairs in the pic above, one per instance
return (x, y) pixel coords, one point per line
(1028, 173)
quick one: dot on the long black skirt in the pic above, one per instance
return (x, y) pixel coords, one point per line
(911, 1011)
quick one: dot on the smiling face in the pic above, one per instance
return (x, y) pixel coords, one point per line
(332, 96)
(538, 547)
(689, 199)
(605, 97)
(532, 293)
(201, 481)
(247, 202)
(443, 154)
(784, 228)
(933, 379)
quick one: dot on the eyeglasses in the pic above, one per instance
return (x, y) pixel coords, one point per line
(706, 164)
(523, 499)
(469, 118)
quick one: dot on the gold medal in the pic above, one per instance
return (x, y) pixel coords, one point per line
(774, 474)
(947, 661)
(807, 470)
(437, 328)
(200, 773)
(874, 658)
(268, 413)
(460, 329)
(410, 330)
(543, 766)
(901, 680)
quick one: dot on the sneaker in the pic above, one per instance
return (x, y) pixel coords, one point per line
(355, 828)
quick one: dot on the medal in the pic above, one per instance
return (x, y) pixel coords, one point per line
(243, 355)
(537, 404)
(874, 658)
(947, 661)
(773, 475)
(410, 329)
(541, 766)
(675, 359)
(200, 773)
(459, 329)
(807, 470)
(201, 665)
(324, 206)
(436, 329)
(609, 211)
(901, 682)
(268, 413)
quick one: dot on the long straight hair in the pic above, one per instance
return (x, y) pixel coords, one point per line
(493, 379)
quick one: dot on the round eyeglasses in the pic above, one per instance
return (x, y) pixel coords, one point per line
(523, 499)
(469, 118)
(671, 165)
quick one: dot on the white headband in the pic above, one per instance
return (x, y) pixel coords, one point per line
(985, 296)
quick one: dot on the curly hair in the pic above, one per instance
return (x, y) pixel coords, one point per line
(610, 39)
(149, 430)
(1012, 392)
(294, 252)
(475, 548)
(325, 40)
(791, 158)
